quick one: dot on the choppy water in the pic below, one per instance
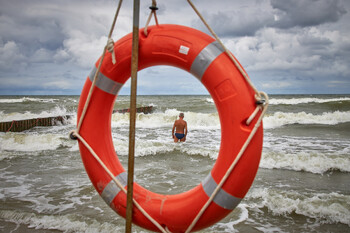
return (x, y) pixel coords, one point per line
(303, 183)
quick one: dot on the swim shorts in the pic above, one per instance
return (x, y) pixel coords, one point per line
(179, 135)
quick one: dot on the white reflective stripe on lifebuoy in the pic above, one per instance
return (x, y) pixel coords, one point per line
(222, 198)
(111, 190)
(105, 83)
(205, 58)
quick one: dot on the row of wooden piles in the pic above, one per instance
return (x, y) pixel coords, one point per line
(21, 125)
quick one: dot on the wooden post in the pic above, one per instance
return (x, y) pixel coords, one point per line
(134, 68)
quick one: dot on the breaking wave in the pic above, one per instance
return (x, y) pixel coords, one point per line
(56, 111)
(167, 118)
(295, 101)
(64, 223)
(325, 207)
(28, 99)
(279, 119)
(306, 161)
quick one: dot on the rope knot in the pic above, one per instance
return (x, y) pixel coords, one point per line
(259, 99)
(110, 48)
(153, 9)
(154, 5)
(72, 135)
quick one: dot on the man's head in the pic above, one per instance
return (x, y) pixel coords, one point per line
(181, 115)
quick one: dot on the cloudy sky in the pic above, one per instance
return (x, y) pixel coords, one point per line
(286, 46)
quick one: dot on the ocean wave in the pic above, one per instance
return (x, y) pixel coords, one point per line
(295, 101)
(306, 161)
(324, 207)
(164, 145)
(62, 222)
(167, 118)
(212, 120)
(30, 142)
(28, 99)
(243, 216)
(209, 100)
(279, 119)
(56, 111)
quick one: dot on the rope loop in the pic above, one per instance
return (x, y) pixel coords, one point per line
(261, 103)
(72, 135)
(110, 48)
(153, 9)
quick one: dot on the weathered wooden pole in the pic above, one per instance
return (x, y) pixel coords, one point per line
(134, 68)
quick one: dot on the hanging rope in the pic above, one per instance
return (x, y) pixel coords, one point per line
(153, 8)
(262, 105)
(98, 68)
(245, 75)
(110, 48)
(74, 134)
(232, 166)
(81, 139)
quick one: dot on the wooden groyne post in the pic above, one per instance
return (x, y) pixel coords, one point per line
(145, 110)
(21, 125)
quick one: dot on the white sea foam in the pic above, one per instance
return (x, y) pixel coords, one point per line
(212, 121)
(165, 144)
(243, 216)
(311, 154)
(209, 100)
(306, 161)
(65, 223)
(57, 111)
(29, 142)
(279, 119)
(27, 99)
(325, 207)
(295, 101)
(167, 118)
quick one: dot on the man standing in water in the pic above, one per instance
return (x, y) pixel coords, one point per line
(181, 129)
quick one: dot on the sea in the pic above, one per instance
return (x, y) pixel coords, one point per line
(302, 184)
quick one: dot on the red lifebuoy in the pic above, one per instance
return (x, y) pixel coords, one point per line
(199, 54)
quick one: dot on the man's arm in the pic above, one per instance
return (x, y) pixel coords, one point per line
(172, 132)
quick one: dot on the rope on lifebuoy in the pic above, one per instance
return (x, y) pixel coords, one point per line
(232, 166)
(252, 116)
(75, 135)
(99, 67)
(153, 8)
(110, 48)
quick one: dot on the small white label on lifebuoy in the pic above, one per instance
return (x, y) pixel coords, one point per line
(184, 49)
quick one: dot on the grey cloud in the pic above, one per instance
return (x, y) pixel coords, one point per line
(47, 44)
(237, 23)
(306, 13)
(283, 14)
(314, 42)
(31, 29)
(51, 31)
